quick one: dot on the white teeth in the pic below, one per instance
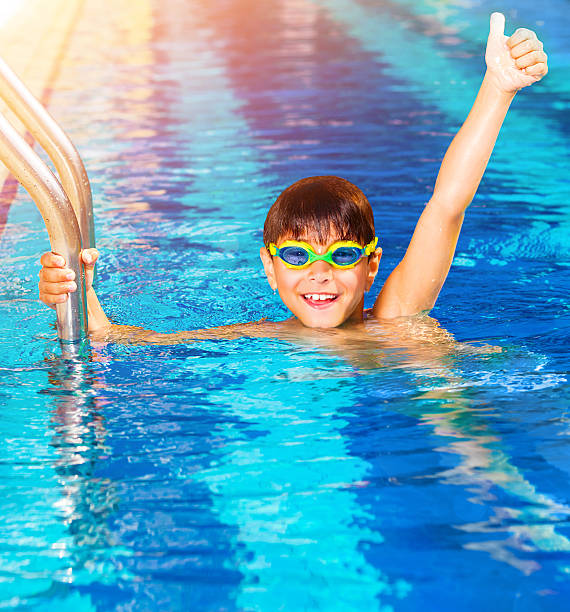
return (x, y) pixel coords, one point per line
(319, 296)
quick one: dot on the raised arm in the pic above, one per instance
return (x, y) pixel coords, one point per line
(512, 63)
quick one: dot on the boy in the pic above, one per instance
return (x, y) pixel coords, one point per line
(320, 248)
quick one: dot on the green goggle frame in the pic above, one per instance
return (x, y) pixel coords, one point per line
(342, 255)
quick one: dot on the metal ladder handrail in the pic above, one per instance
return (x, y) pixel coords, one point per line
(56, 144)
(68, 229)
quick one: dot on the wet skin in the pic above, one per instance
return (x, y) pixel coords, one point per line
(322, 296)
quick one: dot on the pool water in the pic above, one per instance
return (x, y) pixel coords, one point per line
(265, 475)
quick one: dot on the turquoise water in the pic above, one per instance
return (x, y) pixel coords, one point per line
(263, 475)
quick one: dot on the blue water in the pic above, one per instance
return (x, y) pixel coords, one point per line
(428, 473)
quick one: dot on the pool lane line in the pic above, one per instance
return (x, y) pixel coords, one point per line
(305, 142)
(231, 497)
(276, 487)
(48, 23)
(199, 183)
(540, 184)
(552, 536)
(361, 24)
(461, 35)
(469, 35)
(453, 84)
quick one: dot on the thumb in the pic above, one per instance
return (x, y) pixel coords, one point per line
(497, 28)
(89, 257)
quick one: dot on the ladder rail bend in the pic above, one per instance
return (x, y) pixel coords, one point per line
(56, 144)
(59, 218)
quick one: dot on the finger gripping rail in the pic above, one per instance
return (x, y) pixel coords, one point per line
(67, 210)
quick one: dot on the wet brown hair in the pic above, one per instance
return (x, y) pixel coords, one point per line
(321, 206)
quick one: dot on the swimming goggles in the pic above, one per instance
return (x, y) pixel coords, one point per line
(343, 254)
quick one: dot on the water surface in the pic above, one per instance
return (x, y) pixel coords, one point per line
(428, 472)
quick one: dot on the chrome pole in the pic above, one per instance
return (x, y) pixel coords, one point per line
(56, 144)
(59, 218)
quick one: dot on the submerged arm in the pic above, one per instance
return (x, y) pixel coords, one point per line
(416, 282)
(130, 334)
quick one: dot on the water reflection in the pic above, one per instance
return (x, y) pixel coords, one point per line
(290, 444)
(518, 511)
(237, 472)
(287, 482)
(79, 438)
(423, 373)
(522, 520)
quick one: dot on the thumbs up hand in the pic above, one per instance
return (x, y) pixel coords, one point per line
(514, 62)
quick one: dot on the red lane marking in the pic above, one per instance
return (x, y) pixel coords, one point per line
(7, 196)
(10, 190)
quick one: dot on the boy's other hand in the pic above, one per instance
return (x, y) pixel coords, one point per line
(515, 62)
(57, 281)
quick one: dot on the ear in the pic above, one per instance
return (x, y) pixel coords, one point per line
(373, 265)
(268, 266)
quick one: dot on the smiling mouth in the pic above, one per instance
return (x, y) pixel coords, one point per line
(319, 300)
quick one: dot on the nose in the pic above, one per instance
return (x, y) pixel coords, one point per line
(320, 272)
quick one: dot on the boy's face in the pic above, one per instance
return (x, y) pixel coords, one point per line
(321, 295)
